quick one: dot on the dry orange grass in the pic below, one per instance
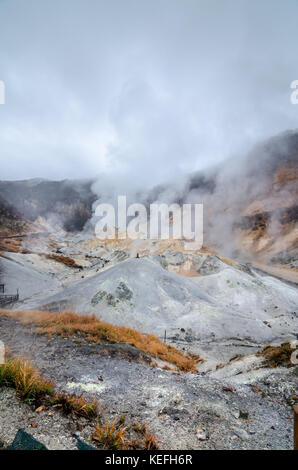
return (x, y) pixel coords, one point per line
(32, 388)
(114, 435)
(277, 356)
(64, 260)
(150, 441)
(111, 435)
(10, 244)
(68, 324)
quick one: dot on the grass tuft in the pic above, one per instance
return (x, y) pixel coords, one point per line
(113, 435)
(33, 389)
(64, 260)
(22, 376)
(150, 441)
(277, 356)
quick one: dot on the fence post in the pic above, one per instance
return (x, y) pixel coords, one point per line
(296, 427)
(165, 338)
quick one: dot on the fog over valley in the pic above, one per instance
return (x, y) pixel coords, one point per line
(141, 92)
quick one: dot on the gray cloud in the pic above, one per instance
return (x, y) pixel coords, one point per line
(141, 91)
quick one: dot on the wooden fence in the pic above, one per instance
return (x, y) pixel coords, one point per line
(7, 299)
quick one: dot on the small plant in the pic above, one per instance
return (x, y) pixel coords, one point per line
(23, 377)
(139, 428)
(111, 435)
(33, 389)
(76, 405)
(277, 356)
(94, 330)
(150, 441)
(122, 419)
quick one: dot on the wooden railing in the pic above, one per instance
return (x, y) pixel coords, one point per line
(7, 299)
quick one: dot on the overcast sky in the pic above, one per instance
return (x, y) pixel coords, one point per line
(143, 90)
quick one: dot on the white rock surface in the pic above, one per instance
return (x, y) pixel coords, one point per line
(141, 294)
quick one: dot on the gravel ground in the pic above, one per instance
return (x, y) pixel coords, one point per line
(185, 411)
(53, 429)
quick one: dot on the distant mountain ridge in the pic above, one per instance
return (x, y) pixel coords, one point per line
(68, 203)
(250, 202)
